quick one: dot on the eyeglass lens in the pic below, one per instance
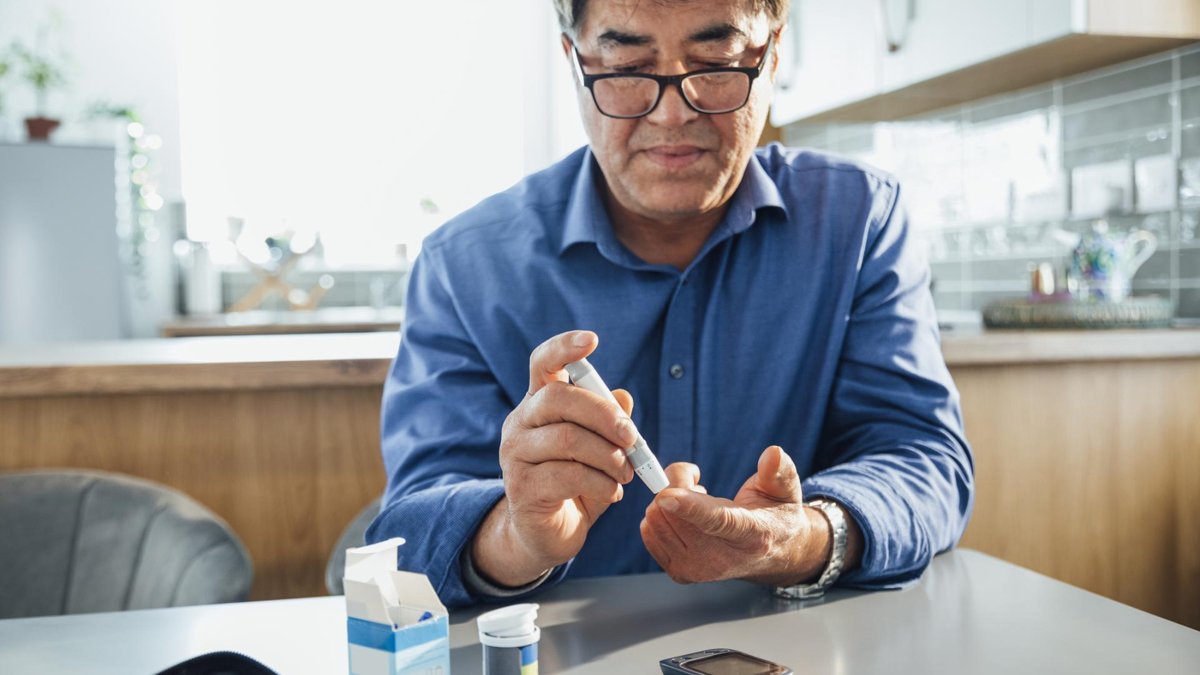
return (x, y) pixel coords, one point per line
(708, 93)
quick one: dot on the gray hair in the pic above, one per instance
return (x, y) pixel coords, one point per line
(570, 12)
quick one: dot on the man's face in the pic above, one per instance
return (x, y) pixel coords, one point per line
(675, 162)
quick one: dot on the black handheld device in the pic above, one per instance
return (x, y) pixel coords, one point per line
(721, 662)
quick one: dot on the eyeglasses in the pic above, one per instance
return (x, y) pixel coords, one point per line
(712, 91)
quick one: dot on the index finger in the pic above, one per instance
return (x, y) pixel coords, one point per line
(548, 360)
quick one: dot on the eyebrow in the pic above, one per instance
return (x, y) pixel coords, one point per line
(719, 32)
(615, 38)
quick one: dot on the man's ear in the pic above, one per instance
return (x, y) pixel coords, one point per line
(775, 47)
(567, 45)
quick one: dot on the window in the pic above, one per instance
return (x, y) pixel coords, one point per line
(343, 118)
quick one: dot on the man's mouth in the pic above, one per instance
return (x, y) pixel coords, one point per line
(674, 156)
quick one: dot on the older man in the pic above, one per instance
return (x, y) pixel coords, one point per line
(745, 299)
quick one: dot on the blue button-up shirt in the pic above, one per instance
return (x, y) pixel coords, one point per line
(805, 321)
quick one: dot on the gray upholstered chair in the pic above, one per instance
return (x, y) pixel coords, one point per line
(351, 536)
(86, 541)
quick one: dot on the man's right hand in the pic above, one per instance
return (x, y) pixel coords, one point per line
(563, 465)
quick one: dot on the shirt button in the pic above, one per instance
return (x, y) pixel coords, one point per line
(676, 371)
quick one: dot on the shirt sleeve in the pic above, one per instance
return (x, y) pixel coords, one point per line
(893, 448)
(442, 412)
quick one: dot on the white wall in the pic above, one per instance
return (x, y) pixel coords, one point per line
(332, 115)
(121, 51)
(327, 83)
(342, 117)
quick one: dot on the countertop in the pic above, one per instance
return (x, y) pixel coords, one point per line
(197, 364)
(969, 613)
(280, 322)
(362, 359)
(980, 347)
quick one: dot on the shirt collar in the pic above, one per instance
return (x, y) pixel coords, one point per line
(756, 192)
(585, 211)
(587, 218)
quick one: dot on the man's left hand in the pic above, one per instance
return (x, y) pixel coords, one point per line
(765, 534)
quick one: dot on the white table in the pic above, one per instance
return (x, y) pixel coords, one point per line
(970, 613)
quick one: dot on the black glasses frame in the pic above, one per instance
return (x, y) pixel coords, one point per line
(665, 81)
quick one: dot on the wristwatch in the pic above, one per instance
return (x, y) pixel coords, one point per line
(837, 521)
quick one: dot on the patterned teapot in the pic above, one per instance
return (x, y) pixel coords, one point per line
(1103, 263)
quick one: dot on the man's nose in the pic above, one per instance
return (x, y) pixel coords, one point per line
(672, 110)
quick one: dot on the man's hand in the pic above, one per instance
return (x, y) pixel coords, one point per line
(765, 534)
(563, 465)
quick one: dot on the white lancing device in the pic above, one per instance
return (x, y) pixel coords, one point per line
(645, 464)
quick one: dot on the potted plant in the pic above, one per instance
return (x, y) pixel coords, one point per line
(44, 74)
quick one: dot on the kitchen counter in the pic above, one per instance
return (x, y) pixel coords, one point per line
(279, 435)
(286, 361)
(980, 347)
(197, 364)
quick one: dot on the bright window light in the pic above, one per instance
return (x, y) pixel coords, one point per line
(348, 118)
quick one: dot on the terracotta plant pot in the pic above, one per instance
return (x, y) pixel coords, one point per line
(40, 128)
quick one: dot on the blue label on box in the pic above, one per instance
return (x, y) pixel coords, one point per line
(382, 636)
(421, 648)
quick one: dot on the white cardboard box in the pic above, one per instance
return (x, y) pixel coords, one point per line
(384, 607)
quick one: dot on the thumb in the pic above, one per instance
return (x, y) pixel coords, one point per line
(777, 476)
(624, 399)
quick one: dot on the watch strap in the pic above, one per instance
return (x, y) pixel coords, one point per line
(836, 516)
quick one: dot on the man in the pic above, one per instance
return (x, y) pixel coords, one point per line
(744, 299)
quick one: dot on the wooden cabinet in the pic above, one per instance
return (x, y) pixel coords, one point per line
(1090, 473)
(869, 60)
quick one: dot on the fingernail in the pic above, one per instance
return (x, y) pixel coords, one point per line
(582, 339)
(669, 503)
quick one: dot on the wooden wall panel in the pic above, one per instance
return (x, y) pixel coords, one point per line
(1090, 473)
(1087, 472)
(287, 469)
